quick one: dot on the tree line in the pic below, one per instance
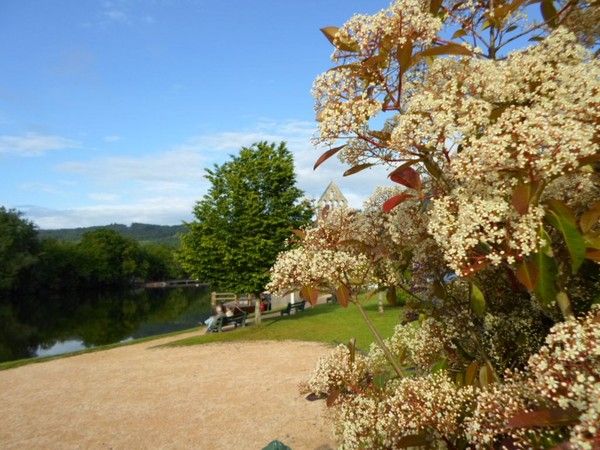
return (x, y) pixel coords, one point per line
(103, 258)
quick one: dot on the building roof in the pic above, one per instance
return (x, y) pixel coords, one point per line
(332, 197)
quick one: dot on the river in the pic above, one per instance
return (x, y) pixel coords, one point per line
(63, 324)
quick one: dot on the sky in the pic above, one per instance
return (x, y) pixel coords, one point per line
(111, 110)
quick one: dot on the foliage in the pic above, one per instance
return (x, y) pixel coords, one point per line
(141, 232)
(244, 220)
(18, 248)
(491, 115)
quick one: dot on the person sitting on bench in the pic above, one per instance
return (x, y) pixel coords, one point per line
(212, 319)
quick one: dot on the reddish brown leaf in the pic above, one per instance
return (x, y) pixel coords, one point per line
(475, 267)
(590, 217)
(300, 233)
(394, 201)
(345, 45)
(527, 274)
(446, 49)
(593, 254)
(332, 397)
(407, 176)
(404, 55)
(326, 155)
(343, 295)
(357, 168)
(310, 293)
(522, 196)
(543, 417)
(413, 440)
(471, 372)
(589, 159)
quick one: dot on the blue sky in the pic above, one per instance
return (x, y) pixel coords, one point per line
(110, 110)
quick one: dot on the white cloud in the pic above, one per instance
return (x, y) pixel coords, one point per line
(157, 210)
(298, 136)
(168, 166)
(162, 187)
(103, 197)
(34, 144)
(112, 138)
(115, 15)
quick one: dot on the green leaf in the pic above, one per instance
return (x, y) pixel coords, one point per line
(562, 218)
(562, 299)
(477, 301)
(442, 364)
(357, 168)
(326, 155)
(485, 375)
(546, 267)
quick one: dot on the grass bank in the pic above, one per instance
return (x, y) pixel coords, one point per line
(24, 362)
(325, 323)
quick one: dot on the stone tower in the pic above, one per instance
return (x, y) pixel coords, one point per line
(332, 198)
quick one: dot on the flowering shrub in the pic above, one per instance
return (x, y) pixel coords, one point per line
(490, 116)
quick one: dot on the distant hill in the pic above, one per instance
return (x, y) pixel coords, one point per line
(142, 232)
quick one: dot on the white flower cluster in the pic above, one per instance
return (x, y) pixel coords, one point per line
(565, 373)
(301, 267)
(346, 96)
(408, 407)
(430, 402)
(337, 371)
(472, 228)
(343, 106)
(404, 18)
(495, 406)
(418, 345)
(549, 99)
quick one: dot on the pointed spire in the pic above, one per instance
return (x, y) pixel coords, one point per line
(332, 198)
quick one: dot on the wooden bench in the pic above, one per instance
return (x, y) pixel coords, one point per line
(298, 306)
(217, 325)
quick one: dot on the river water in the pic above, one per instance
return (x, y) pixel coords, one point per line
(53, 326)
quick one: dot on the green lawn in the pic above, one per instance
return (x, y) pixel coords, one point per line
(324, 323)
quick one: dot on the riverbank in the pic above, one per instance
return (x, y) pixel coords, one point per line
(218, 396)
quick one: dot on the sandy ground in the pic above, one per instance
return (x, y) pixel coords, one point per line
(216, 396)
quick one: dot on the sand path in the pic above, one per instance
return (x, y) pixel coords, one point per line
(218, 396)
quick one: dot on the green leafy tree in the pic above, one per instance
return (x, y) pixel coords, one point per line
(242, 223)
(19, 247)
(112, 259)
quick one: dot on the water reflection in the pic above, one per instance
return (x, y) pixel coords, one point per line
(52, 326)
(61, 347)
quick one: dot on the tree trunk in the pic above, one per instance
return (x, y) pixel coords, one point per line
(391, 296)
(257, 312)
